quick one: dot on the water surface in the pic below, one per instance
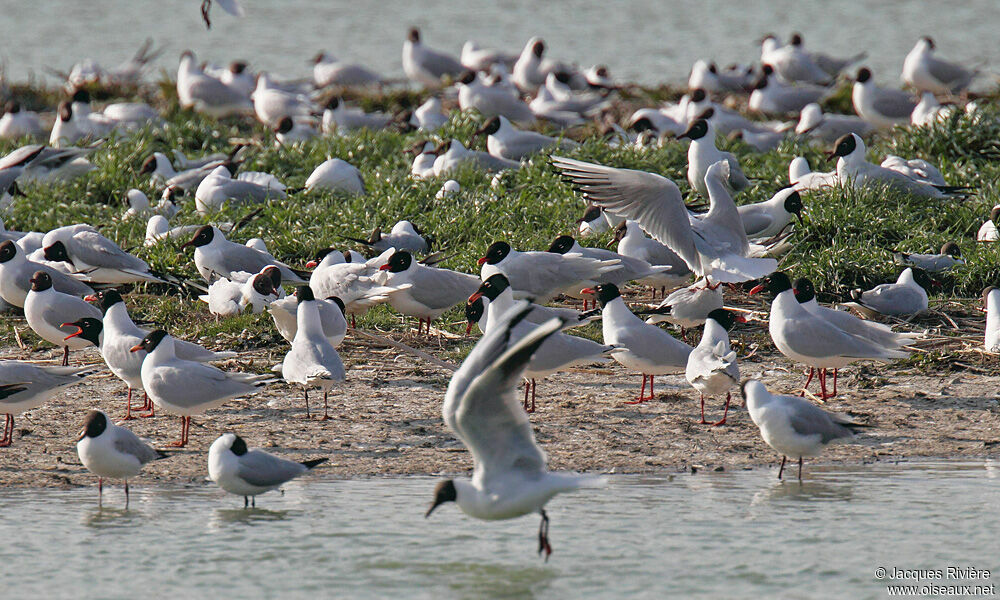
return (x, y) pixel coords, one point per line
(740, 534)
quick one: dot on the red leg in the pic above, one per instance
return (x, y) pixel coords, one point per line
(808, 380)
(326, 409)
(642, 392)
(684, 334)
(126, 494)
(65, 362)
(835, 381)
(651, 394)
(306, 394)
(822, 384)
(183, 441)
(533, 385)
(150, 406)
(8, 431)
(782, 469)
(353, 324)
(703, 421)
(527, 384)
(726, 413)
(100, 490)
(128, 406)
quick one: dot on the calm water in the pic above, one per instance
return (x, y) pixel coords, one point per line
(740, 534)
(646, 41)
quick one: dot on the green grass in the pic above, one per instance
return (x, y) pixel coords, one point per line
(842, 245)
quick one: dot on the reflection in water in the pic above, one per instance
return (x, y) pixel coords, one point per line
(105, 517)
(248, 516)
(805, 491)
(474, 580)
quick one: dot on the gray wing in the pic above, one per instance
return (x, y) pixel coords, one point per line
(894, 104)
(237, 257)
(7, 177)
(482, 407)
(63, 282)
(737, 179)
(653, 201)
(948, 73)
(64, 309)
(807, 419)
(440, 63)
(440, 288)
(814, 336)
(193, 384)
(891, 298)
(129, 443)
(755, 219)
(98, 251)
(213, 92)
(19, 156)
(266, 470)
(249, 191)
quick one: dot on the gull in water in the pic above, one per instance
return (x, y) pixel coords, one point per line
(249, 473)
(510, 478)
(113, 452)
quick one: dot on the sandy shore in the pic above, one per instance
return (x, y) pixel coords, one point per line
(386, 419)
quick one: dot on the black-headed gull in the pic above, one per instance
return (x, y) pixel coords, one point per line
(337, 175)
(949, 257)
(404, 235)
(452, 155)
(831, 64)
(713, 245)
(881, 107)
(478, 58)
(643, 347)
(633, 242)
(853, 167)
(816, 124)
(813, 340)
(215, 257)
(272, 101)
(226, 298)
(16, 271)
(711, 367)
(987, 231)
(24, 386)
(791, 62)
(249, 473)
(793, 426)
(904, 298)
(113, 452)
(219, 188)
(772, 96)
(47, 309)
(204, 93)
(474, 93)
(431, 291)
(687, 307)
(541, 275)
(94, 257)
(186, 387)
(702, 154)
(350, 278)
(17, 123)
(510, 475)
(504, 140)
(771, 217)
(339, 117)
(332, 317)
(531, 67)
(328, 70)
(312, 362)
(426, 65)
(475, 310)
(926, 73)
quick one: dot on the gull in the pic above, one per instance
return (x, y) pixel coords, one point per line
(915, 168)
(404, 235)
(312, 362)
(14, 164)
(770, 95)
(634, 243)
(950, 256)
(854, 167)
(327, 70)
(227, 298)
(46, 164)
(426, 65)
(184, 162)
(557, 353)
(545, 106)
(337, 175)
(338, 116)
(477, 58)
(531, 68)
(510, 478)
(702, 154)
(791, 62)
(219, 189)
(657, 120)
(593, 221)
(431, 292)
(629, 269)
(832, 65)
(17, 123)
(541, 275)
(139, 206)
(771, 217)
(829, 127)
(987, 233)
(47, 310)
(881, 107)
(424, 157)
(96, 258)
(761, 141)
(332, 319)
(645, 348)
(215, 256)
(249, 473)
(70, 127)
(475, 311)
(115, 334)
(803, 179)
(491, 100)
(728, 122)
(340, 275)
(929, 111)
(290, 131)
(162, 172)
(711, 367)
(507, 142)
(24, 386)
(906, 297)
(560, 96)
(793, 426)
(714, 245)
(271, 102)
(927, 73)
(110, 451)
(205, 93)
(186, 387)
(813, 340)
(16, 272)
(232, 7)
(991, 304)
(453, 155)
(429, 116)
(158, 229)
(705, 75)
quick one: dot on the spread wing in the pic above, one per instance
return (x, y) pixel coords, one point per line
(653, 201)
(266, 470)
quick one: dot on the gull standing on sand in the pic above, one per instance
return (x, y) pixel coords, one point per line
(312, 362)
(813, 340)
(110, 451)
(714, 245)
(332, 318)
(711, 367)
(510, 478)
(645, 348)
(185, 387)
(47, 311)
(249, 473)
(215, 257)
(24, 386)
(793, 426)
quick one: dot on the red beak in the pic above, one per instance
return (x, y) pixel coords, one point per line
(384, 267)
(481, 260)
(312, 264)
(473, 298)
(79, 330)
(588, 291)
(757, 288)
(795, 292)
(135, 348)
(90, 298)
(741, 319)
(468, 328)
